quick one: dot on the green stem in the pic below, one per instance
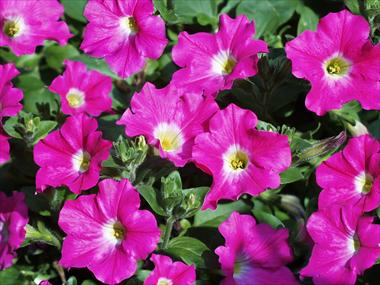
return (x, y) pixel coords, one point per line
(168, 231)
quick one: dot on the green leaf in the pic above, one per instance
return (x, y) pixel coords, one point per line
(188, 249)
(71, 281)
(267, 218)
(55, 55)
(12, 276)
(74, 9)
(41, 234)
(172, 184)
(150, 195)
(353, 6)
(268, 14)
(213, 218)
(35, 92)
(43, 129)
(193, 200)
(308, 20)
(96, 64)
(89, 282)
(9, 128)
(204, 10)
(291, 175)
(166, 14)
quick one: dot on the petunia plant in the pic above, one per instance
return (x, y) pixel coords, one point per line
(189, 142)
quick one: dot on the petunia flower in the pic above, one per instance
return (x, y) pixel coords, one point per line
(339, 61)
(346, 244)
(24, 25)
(4, 147)
(211, 62)
(240, 158)
(352, 176)
(82, 91)
(125, 33)
(13, 219)
(71, 156)
(10, 97)
(169, 118)
(107, 233)
(167, 272)
(254, 254)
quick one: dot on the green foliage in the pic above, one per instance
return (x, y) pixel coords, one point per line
(268, 15)
(188, 249)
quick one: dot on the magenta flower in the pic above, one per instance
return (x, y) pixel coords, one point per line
(339, 61)
(240, 158)
(167, 272)
(211, 62)
(83, 91)
(254, 254)
(107, 233)
(124, 32)
(71, 156)
(346, 244)
(26, 24)
(352, 176)
(169, 118)
(13, 219)
(4, 147)
(10, 97)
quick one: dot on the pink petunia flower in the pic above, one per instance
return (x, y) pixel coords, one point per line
(352, 176)
(169, 118)
(13, 219)
(346, 244)
(254, 254)
(83, 91)
(240, 158)
(339, 61)
(211, 62)
(26, 24)
(124, 32)
(71, 156)
(167, 272)
(10, 97)
(4, 147)
(107, 233)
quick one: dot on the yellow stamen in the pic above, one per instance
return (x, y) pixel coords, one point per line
(75, 98)
(337, 66)
(239, 160)
(229, 65)
(118, 231)
(164, 281)
(129, 25)
(367, 184)
(11, 28)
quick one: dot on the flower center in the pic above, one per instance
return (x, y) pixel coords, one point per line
(81, 161)
(75, 98)
(235, 160)
(223, 63)
(164, 281)
(169, 135)
(239, 160)
(241, 266)
(337, 66)
(356, 243)
(364, 183)
(129, 25)
(12, 28)
(118, 231)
